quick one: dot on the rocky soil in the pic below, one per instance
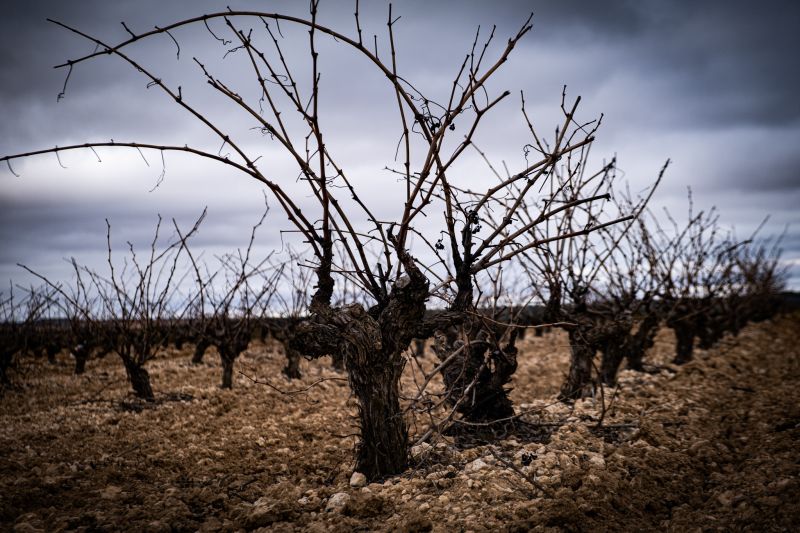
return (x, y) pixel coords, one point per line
(709, 446)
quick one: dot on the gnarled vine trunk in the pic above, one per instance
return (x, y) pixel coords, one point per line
(684, 341)
(230, 346)
(613, 353)
(200, 350)
(685, 320)
(374, 370)
(292, 368)
(283, 332)
(475, 377)
(81, 355)
(52, 350)
(227, 373)
(6, 361)
(615, 343)
(371, 345)
(642, 340)
(139, 379)
(374, 373)
(579, 380)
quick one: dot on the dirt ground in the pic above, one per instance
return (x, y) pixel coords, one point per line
(713, 445)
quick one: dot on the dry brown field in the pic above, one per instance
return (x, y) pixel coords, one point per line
(709, 446)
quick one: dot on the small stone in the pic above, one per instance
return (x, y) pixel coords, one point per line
(596, 459)
(769, 501)
(697, 446)
(444, 499)
(157, 526)
(420, 449)
(726, 498)
(565, 461)
(476, 465)
(781, 484)
(358, 480)
(110, 492)
(266, 511)
(25, 527)
(549, 460)
(424, 507)
(211, 523)
(337, 502)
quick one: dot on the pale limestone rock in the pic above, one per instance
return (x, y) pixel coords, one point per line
(358, 480)
(337, 502)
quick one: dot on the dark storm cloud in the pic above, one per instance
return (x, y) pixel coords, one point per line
(724, 62)
(778, 173)
(46, 235)
(30, 47)
(711, 84)
(731, 60)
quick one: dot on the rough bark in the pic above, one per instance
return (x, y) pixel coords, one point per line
(374, 373)
(419, 347)
(476, 376)
(80, 365)
(642, 340)
(180, 338)
(227, 373)
(200, 350)
(475, 379)
(139, 379)
(338, 362)
(684, 341)
(372, 345)
(81, 355)
(232, 339)
(292, 368)
(579, 380)
(282, 333)
(613, 353)
(263, 332)
(616, 341)
(6, 361)
(52, 350)
(684, 320)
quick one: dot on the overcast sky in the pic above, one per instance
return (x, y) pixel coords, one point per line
(712, 85)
